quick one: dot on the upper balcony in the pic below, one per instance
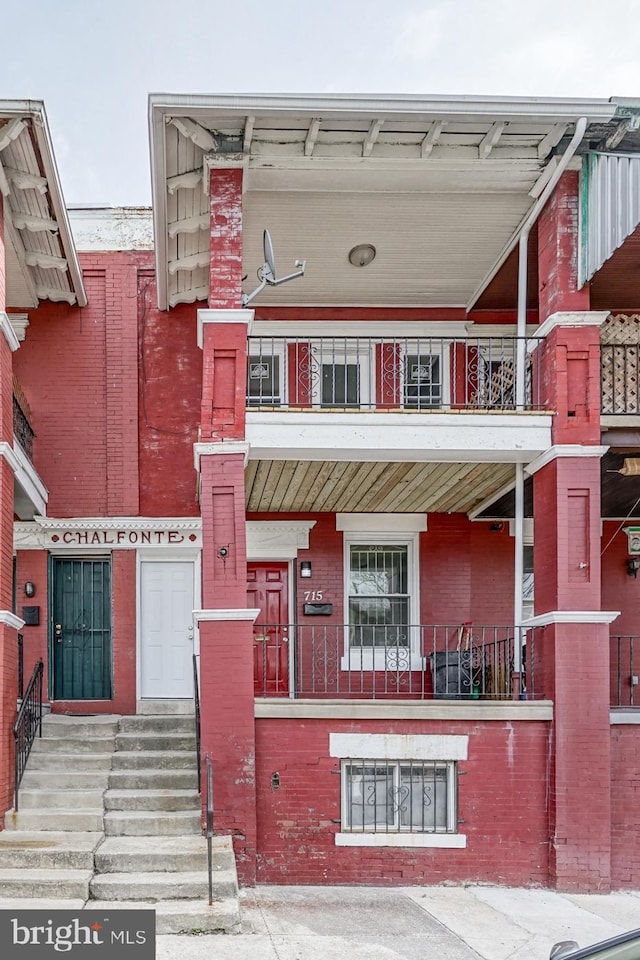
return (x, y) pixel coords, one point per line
(620, 362)
(30, 493)
(408, 398)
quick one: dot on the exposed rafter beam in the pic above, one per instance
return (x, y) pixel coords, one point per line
(544, 178)
(189, 263)
(188, 225)
(372, 136)
(10, 131)
(616, 137)
(185, 181)
(431, 139)
(15, 238)
(56, 294)
(196, 133)
(312, 136)
(45, 261)
(5, 186)
(189, 296)
(22, 180)
(248, 134)
(489, 141)
(25, 221)
(554, 136)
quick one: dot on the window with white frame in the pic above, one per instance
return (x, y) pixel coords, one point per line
(341, 372)
(404, 790)
(399, 796)
(378, 591)
(265, 376)
(423, 380)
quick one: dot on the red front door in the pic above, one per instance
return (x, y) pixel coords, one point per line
(267, 590)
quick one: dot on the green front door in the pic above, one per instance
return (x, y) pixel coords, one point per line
(81, 631)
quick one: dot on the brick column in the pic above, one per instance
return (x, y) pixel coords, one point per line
(225, 623)
(9, 623)
(571, 642)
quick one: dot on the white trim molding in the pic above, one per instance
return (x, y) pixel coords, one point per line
(205, 449)
(563, 450)
(277, 539)
(223, 316)
(571, 616)
(400, 523)
(441, 840)
(19, 323)
(10, 620)
(416, 329)
(237, 613)
(578, 318)
(479, 710)
(630, 716)
(398, 746)
(91, 534)
(9, 454)
(28, 478)
(8, 331)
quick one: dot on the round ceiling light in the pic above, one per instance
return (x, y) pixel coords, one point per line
(362, 254)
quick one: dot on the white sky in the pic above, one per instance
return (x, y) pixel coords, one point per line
(94, 62)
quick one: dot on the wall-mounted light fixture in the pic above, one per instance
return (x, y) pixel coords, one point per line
(305, 569)
(633, 565)
(29, 589)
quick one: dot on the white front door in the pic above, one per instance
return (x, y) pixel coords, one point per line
(166, 629)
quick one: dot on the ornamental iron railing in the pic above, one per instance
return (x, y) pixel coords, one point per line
(461, 662)
(22, 429)
(28, 724)
(409, 374)
(625, 671)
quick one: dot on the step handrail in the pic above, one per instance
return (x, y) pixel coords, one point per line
(196, 702)
(28, 723)
(209, 800)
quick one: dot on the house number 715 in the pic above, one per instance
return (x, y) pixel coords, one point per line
(313, 595)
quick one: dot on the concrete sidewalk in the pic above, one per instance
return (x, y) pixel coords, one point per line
(414, 923)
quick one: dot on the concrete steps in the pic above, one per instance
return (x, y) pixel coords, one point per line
(110, 816)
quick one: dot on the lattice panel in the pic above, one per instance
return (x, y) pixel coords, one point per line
(620, 328)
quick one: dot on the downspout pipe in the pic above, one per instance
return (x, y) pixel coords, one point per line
(521, 354)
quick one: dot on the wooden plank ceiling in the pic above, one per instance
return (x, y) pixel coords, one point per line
(329, 486)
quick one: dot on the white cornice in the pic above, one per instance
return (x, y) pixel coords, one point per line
(19, 322)
(119, 523)
(241, 613)
(381, 522)
(223, 316)
(10, 619)
(221, 448)
(7, 451)
(584, 318)
(563, 450)
(571, 616)
(8, 331)
(277, 539)
(107, 533)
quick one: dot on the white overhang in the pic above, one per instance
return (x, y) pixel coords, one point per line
(438, 185)
(410, 438)
(41, 259)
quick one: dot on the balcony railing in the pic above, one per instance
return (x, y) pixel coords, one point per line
(385, 662)
(22, 429)
(625, 671)
(620, 385)
(370, 373)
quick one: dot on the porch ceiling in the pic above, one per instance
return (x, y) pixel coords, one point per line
(439, 186)
(331, 486)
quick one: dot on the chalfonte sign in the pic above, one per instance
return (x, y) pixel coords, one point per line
(110, 533)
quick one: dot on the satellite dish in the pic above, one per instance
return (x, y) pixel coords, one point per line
(267, 272)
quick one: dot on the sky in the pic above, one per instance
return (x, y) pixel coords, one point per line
(94, 63)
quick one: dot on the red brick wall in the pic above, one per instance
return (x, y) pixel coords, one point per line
(169, 404)
(625, 809)
(501, 803)
(558, 245)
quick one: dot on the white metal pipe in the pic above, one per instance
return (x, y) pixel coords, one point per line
(518, 566)
(523, 243)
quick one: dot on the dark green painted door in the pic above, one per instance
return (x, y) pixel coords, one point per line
(81, 629)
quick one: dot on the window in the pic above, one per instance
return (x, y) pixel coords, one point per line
(402, 796)
(378, 595)
(422, 381)
(263, 381)
(340, 373)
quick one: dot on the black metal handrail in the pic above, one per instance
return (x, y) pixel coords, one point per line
(28, 723)
(196, 701)
(209, 803)
(22, 429)
(20, 666)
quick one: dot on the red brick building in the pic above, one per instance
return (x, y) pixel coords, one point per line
(339, 493)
